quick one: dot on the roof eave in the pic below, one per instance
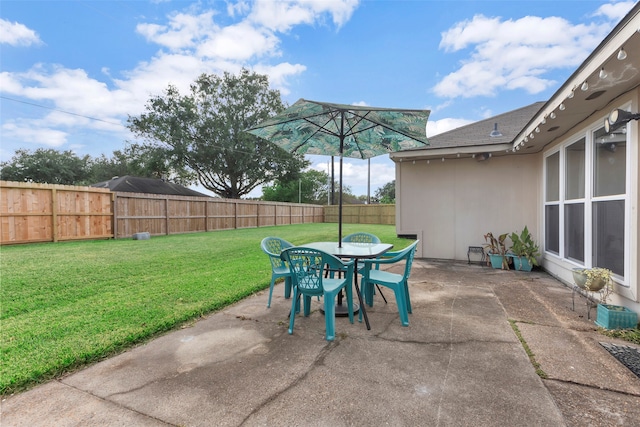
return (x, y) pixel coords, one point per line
(451, 152)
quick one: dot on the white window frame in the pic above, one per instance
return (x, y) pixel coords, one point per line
(588, 200)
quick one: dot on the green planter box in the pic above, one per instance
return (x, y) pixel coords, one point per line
(616, 317)
(521, 263)
(496, 260)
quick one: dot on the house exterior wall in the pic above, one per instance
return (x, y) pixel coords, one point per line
(451, 205)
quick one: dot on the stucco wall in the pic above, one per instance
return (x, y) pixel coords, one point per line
(451, 205)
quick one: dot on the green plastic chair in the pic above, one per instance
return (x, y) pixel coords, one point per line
(307, 266)
(397, 282)
(273, 246)
(361, 238)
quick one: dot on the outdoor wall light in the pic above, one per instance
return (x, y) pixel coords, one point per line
(495, 132)
(553, 115)
(622, 55)
(483, 156)
(603, 74)
(585, 86)
(618, 118)
(571, 94)
(561, 107)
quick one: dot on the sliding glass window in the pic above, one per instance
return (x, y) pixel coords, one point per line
(552, 204)
(574, 201)
(608, 208)
(585, 200)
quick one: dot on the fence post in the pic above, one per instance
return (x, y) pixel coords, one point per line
(166, 214)
(114, 217)
(206, 215)
(54, 214)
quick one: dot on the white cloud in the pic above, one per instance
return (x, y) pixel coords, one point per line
(239, 42)
(283, 15)
(506, 56)
(182, 31)
(16, 34)
(71, 90)
(444, 125)
(615, 11)
(29, 134)
(280, 74)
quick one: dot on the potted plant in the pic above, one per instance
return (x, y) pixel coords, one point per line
(608, 316)
(497, 250)
(524, 250)
(594, 280)
(616, 317)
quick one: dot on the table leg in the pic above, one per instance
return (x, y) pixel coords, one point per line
(341, 310)
(355, 282)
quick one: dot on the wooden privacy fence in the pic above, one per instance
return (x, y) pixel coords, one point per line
(49, 213)
(362, 214)
(164, 214)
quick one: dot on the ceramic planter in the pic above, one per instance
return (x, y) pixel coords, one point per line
(580, 279)
(616, 317)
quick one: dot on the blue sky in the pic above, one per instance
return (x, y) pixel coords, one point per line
(72, 71)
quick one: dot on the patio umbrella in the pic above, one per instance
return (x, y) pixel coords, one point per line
(359, 132)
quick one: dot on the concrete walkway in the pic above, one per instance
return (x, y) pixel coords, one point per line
(459, 363)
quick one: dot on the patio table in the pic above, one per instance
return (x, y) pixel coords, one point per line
(355, 251)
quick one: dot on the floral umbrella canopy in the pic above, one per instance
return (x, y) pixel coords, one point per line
(359, 132)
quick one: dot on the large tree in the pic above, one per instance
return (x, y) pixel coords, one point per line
(46, 166)
(203, 132)
(311, 187)
(138, 160)
(387, 193)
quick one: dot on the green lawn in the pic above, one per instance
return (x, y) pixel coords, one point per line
(64, 305)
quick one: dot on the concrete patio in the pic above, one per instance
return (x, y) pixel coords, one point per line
(459, 363)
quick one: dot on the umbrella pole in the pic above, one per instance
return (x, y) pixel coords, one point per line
(340, 201)
(340, 208)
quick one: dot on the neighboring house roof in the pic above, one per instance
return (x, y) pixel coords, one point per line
(509, 124)
(134, 184)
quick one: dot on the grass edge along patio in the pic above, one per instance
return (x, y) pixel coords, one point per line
(70, 304)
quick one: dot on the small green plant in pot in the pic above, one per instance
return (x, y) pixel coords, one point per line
(497, 250)
(595, 279)
(524, 249)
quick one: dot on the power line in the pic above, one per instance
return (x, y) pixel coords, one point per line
(100, 120)
(60, 111)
